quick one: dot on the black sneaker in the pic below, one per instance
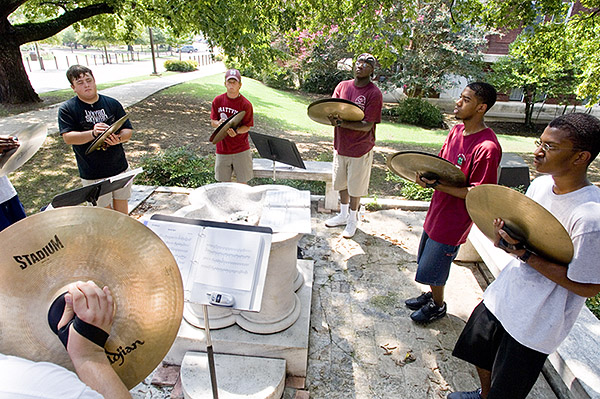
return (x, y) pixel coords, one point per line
(419, 302)
(428, 313)
(465, 395)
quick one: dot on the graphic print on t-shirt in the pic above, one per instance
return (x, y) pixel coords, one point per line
(361, 101)
(95, 116)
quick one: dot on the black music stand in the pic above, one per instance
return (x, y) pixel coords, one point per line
(277, 150)
(94, 191)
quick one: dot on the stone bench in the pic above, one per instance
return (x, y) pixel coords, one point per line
(315, 171)
(576, 362)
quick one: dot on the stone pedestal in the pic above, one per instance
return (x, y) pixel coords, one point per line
(239, 203)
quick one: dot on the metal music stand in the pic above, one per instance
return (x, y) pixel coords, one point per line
(277, 150)
(94, 191)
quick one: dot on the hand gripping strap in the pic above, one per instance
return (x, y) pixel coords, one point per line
(91, 332)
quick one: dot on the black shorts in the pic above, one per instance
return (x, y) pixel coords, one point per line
(486, 344)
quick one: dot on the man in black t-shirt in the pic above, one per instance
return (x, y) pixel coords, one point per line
(80, 120)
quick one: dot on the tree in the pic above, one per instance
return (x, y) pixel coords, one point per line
(550, 21)
(437, 49)
(14, 83)
(543, 63)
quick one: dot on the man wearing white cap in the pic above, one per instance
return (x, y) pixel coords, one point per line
(353, 143)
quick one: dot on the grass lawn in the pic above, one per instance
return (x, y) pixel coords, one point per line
(287, 110)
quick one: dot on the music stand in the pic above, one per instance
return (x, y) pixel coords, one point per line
(277, 150)
(94, 191)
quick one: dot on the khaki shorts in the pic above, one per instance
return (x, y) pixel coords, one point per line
(352, 173)
(240, 163)
(106, 199)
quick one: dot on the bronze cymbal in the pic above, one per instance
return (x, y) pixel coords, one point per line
(541, 231)
(407, 164)
(31, 139)
(232, 122)
(43, 253)
(346, 110)
(98, 141)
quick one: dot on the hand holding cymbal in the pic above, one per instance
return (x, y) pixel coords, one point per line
(333, 111)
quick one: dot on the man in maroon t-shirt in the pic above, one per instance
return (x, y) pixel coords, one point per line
(474, 148)
(233, 152)
(353, 143)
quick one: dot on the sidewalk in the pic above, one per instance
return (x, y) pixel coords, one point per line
(128, 95)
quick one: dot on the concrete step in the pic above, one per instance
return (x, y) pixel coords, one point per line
(237, 377)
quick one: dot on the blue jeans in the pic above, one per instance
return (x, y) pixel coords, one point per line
(434, 260)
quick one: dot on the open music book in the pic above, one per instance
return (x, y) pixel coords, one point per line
(217, 258)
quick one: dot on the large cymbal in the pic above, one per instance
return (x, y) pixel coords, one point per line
(541, 231)
(407, 164)
(31, 139)
(346, 110)
(43, 253)
(232, 122)
(98, 141)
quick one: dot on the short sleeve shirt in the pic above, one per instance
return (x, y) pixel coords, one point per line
(478, 157)
(533, 309)
(75, 115)
(224, 107)
(355, 143)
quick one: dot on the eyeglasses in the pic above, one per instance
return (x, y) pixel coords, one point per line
(549, 147)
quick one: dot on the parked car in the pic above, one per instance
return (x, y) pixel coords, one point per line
(187, 49)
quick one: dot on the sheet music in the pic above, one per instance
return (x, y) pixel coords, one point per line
(227, 258)
(217, 257)
(286, 211)
(181, 239)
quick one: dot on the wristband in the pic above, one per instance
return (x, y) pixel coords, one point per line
(93, 135)
(432, 185)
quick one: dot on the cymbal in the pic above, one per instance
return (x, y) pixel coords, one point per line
(232, 122)
(45, 252)
(541, 231)
(407, 164)
(31, 139)
(319, 110)
(98, 141)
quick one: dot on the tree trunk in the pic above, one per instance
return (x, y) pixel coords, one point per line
(15, 87)
(529, 102)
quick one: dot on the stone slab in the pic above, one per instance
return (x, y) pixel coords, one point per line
(237, 377)
(290, 344)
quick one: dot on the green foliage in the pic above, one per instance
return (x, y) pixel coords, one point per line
(416, 111)
(179, 167)
(272, 75)
(439, 49)
(593, 304)
(323, 81)
(408, 189)
(181, 66)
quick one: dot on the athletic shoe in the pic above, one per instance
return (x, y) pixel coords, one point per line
(337, 220)
(465, 395)
(429, 312)
(350, 228)
(420, 301)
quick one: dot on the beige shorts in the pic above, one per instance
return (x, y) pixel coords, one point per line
(240, 164)
(106, 199)
(352, 173)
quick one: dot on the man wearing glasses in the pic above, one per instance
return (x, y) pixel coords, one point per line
(531, 307)
(353, 143)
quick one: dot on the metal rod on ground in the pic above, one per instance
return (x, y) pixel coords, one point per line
(211, 355)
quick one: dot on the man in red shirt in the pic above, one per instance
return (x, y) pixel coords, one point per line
(353, 143)
(474, 148)
(233, 152)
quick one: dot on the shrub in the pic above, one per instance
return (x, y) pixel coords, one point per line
(279, 78)
(181, 66)
(409, 190)
(177, 166)
(416, 111)
(323, 81)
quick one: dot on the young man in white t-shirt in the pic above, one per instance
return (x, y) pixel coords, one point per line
(531, 307)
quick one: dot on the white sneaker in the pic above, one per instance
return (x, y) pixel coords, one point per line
(350, 228)
(338, 220)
